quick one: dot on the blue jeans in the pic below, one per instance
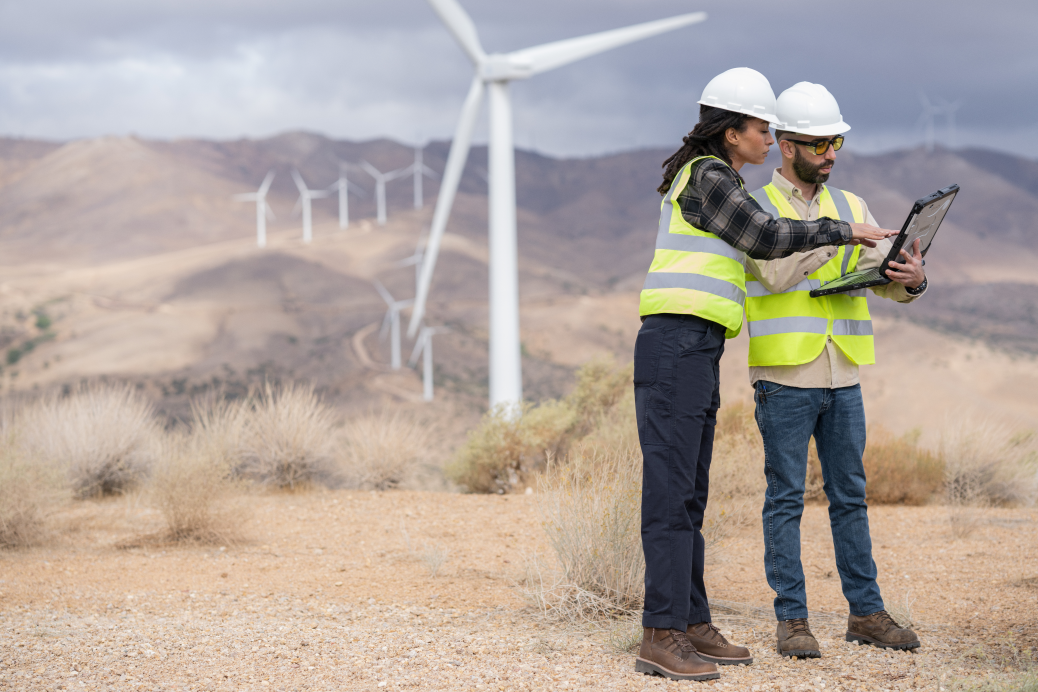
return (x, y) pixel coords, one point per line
(676, 396)
(787, 418)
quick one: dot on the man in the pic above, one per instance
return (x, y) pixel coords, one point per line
(804, 358)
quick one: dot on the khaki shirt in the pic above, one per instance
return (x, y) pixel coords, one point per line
(831, 369)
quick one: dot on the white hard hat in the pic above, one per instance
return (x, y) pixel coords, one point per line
(742, 90)
(809, 109)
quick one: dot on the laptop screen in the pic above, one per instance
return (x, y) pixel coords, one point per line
(923, 225)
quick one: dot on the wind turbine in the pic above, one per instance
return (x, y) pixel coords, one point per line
(262, 208)
(494, 72)
(948, 108)
(423, 347)
(391, 323)
(380, 186)
(305, 195)
(344, 187)
(418, 169)
(415, 259)
(926, 119)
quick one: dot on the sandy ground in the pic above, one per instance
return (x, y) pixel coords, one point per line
(369, 591)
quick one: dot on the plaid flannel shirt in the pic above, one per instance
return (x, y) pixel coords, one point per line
(714, 201)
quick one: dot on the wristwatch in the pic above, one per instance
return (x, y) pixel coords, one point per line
(918, 289)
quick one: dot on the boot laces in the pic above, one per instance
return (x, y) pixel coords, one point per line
(797, 627)
(888, 623)
(683, 642)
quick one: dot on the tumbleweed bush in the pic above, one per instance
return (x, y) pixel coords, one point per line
(383, 451)
(289, 439)
(103, 437)
(26, 490)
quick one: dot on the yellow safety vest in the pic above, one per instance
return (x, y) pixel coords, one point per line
(694, 272)
(791, 328)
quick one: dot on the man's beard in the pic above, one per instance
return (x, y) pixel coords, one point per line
(808, 172)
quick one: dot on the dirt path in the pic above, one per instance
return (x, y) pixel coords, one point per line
(366, 591)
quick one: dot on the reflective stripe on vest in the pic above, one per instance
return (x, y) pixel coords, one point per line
(693, 271)
(791, 327)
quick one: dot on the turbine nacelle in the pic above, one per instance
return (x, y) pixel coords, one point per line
(505, 67)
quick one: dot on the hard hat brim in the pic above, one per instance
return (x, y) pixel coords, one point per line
(820, 131)
(767, 117)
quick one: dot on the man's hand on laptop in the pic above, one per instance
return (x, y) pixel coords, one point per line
(867, 235)
(910, 272)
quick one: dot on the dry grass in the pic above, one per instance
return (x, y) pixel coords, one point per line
(590, 508)
(26, 489)
(383, 451)
(104, 437)
(289, 439)
(190, 486)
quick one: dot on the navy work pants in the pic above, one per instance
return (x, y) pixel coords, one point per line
(676, 394)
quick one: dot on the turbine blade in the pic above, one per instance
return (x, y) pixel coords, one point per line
(461, 26)
(372, 171)
(385, 325)
(551, 55)
(299, 181)
(266, 182)
(456, 160)
(298, 207)
(269, 211)
(386, 296)
(426, 171)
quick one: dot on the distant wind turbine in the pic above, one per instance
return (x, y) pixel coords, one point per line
(262, 208)
(494, 73)
(415, 259)
(305, 195)
(344, 187)
(391, 323)
(926, 119)
(419, 170)
(423, 347)
(380, 186)
(948, 108)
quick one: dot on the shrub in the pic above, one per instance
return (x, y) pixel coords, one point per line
(188, 484)
(288, 439)
(383, 451)
(985, 465)
(591, 507)
(25, 489)
(104, 437)
(898, 471)
(511, 444)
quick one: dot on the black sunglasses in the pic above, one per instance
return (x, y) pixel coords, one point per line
(820, 146)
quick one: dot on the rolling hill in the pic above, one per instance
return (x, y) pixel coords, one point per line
(128, 258)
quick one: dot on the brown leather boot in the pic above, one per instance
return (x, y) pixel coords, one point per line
(669, 653)
(795, 639)
(879, 629)
(712, 646)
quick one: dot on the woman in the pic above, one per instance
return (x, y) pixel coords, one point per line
(692, 300)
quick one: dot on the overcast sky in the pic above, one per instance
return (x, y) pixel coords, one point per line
(360, 69)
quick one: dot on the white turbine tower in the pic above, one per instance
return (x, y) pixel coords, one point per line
(262, 208)
(380, 186)
(305, 195)
(419, 170)
(344, 187)
(926, 119)
(423, 347)
(494, 72)
(391, 323)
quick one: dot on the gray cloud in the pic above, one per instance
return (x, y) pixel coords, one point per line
(227, 68)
